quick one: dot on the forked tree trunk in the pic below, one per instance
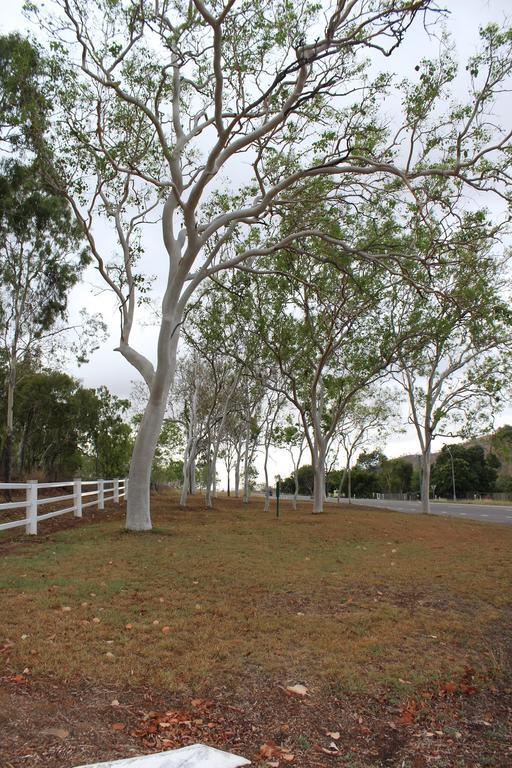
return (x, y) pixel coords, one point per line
(138, 516)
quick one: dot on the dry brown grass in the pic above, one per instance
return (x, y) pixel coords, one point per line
(354, 599)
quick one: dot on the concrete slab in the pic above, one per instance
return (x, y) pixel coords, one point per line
(194, 756)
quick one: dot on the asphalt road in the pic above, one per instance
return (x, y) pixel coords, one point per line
(486, 513)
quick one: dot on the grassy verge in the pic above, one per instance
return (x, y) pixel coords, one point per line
(354, 599)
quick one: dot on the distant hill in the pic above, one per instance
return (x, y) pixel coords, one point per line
(485, 441)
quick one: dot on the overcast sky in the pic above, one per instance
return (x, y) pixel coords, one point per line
(108, 367)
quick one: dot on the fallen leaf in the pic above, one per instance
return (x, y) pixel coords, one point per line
(298, 690)
(329, 751)
(128, 626)
(118, 727)
(288, 757)
(114, 703)
(66, 608)
(269, 749)
(333, 735)
(166, 630)
(60, 733)
(18, 679)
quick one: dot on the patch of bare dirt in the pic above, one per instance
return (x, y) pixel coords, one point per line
(459, 723)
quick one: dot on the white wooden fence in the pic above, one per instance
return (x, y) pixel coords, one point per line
(97, 493)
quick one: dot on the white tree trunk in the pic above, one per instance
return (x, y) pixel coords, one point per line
(340, 486)
(425, 482)
(237, 470)
(209, 479)
(266, 507)
(296, 479)
(138, 517)
(247, 458)
(319, 487)
(9, 436)
(318, 458)
(137, 514)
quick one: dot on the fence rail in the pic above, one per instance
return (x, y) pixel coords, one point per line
(102, 491)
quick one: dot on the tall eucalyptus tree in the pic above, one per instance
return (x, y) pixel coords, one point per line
(455, 361)
(208, 116)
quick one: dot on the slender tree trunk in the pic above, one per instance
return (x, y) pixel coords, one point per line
(209, 478)
(318, 490)
(425, 483)
(185, 485)
(342, 483)
(318, 450)
(192, 475)
(9, 435)
(247, 460)
(349, 485)
(237, 471)
(296, 479)
(319, 481)
(228, 488)
(266, 507)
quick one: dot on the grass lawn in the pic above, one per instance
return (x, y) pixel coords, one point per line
(356, 604)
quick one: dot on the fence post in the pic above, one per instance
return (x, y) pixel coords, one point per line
(31, 515)
(77, 491)
(101, 494)
(116, 490)
(126, 489)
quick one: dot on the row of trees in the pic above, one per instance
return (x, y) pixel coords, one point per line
(61, 429)
(313, 248)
